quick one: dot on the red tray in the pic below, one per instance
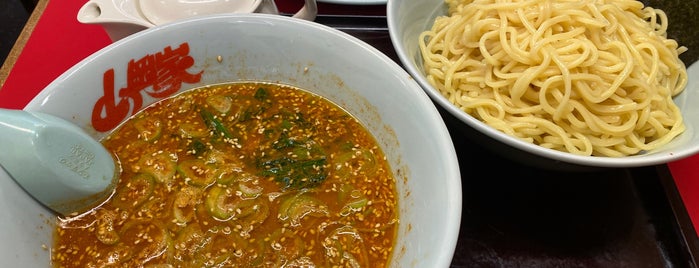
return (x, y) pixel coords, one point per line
(58, 41)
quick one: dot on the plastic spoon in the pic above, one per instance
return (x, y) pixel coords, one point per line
(55, 161)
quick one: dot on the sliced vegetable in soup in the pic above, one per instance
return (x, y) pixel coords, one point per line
(239, 175)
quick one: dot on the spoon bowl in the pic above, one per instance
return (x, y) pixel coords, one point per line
(55, 161)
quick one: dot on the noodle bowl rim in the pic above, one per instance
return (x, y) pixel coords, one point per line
(421, 14)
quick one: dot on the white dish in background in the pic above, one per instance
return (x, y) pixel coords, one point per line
(354, 2)
(121, 18)
(263, 47)
(408, 18)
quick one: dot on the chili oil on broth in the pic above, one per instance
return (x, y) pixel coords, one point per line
(239, 175)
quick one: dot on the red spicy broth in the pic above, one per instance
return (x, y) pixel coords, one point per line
(239, 175)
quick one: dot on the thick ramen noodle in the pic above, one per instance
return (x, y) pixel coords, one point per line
(239, 175)
(589, 77)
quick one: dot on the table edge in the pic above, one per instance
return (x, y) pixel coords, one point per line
(21, 41)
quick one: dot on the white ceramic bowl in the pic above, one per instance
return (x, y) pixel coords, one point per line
(408, 18)
(277, 49)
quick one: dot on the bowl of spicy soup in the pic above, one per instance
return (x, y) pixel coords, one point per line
(249, 139)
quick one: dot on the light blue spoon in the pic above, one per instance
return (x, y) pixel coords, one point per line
(55, 161)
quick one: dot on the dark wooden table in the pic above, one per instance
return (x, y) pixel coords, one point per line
(13, 16)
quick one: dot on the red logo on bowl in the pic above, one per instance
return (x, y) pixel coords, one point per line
(159, 75)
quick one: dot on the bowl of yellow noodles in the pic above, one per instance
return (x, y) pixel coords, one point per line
(561, 83)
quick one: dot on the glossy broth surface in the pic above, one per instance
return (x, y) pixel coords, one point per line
(239, 175)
